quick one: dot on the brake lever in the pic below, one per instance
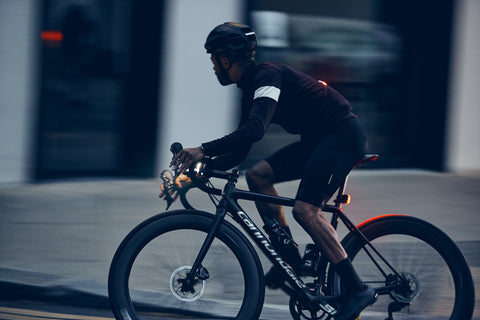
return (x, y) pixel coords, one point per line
(169, 200)
(168, 183)
(192, 172)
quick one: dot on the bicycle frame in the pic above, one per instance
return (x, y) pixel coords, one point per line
(229, 203)
(415, 246)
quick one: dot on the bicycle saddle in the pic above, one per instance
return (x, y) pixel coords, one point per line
(366, 159)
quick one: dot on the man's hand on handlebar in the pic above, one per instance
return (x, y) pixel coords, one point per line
(185, 158)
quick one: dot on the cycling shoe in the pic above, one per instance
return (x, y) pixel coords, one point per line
(353, 303)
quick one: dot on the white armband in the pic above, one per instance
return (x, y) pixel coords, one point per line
(267, 92)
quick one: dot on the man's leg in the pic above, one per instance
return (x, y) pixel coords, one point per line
(261, 179)
(285, 164)
(325, 236)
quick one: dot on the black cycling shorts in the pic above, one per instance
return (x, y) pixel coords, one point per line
(321, 163)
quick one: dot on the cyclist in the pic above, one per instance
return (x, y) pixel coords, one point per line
(332, 141)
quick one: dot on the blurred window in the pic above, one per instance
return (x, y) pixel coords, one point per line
(357, 55)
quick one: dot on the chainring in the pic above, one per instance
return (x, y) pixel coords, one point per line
(302, 311)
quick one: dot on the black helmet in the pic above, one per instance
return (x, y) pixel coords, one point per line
(233, 39)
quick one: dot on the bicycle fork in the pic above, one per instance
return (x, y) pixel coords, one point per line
(197, 270)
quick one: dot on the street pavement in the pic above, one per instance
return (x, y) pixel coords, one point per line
(57, 238)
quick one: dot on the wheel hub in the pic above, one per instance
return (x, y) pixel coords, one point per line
(186, 290)
(409, 291)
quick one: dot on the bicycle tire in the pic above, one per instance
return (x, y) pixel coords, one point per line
(436, 268)
(143, 278)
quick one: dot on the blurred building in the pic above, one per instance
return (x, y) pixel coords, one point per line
(103, 87)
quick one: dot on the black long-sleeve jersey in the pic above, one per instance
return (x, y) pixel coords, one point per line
(276, 93)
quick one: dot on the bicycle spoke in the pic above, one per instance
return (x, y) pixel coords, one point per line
(153, 269)
(418, 260)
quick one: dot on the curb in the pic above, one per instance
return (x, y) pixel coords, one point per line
(54, 294)
(35, 286)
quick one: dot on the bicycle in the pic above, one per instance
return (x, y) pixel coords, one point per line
(197, 264)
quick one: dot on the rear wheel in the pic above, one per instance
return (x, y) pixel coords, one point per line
(147, 275)
(439, 281)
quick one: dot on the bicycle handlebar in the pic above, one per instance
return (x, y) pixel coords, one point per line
(196, 172)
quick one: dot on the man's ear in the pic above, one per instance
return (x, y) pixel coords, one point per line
(226, 63)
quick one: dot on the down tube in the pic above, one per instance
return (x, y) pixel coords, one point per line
(265, 245)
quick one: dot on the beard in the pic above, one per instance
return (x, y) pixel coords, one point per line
(223, 78)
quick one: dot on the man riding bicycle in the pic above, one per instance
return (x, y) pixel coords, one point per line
(332, 141)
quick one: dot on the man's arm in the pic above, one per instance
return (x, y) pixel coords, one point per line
(230, 160)
(252, 130)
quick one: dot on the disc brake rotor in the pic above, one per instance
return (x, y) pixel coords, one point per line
(412, 293)
(195, 290)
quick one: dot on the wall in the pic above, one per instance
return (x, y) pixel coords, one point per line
(19, 41)
(195, 108)
(463, 141)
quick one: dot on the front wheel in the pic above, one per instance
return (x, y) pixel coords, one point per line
(146, 279)
(438, 283)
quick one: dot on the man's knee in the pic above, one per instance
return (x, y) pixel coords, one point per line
(304, 212)
(300, 216)
(259, 175)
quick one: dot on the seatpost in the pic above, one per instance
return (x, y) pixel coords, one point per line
(341, 198)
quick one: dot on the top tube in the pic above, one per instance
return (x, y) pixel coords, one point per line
(253, 196)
